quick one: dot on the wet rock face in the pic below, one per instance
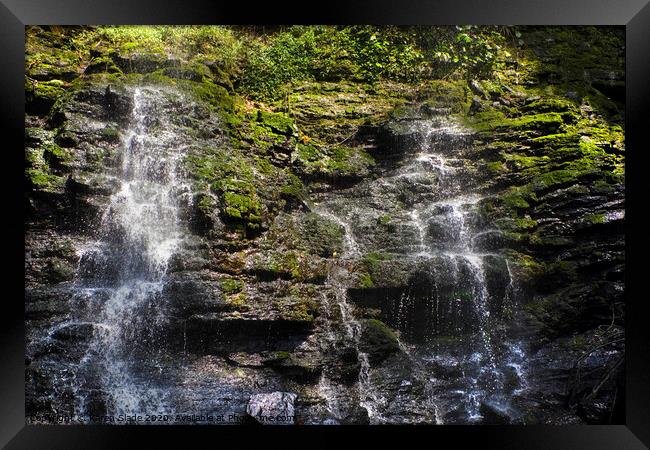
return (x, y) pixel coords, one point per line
(276, 408)
(370, 258)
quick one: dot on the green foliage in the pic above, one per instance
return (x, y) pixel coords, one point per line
(360, 53)
(215, 43)
(474, 50)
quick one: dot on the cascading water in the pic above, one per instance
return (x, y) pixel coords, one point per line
(449, 316)
(121, 275)
(333, 393)
(446, 229)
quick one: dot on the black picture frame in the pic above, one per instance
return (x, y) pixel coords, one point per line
(633, 14)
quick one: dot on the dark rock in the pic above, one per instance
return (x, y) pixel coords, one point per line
(494, 414)
(378, 340)
(75, 332)
(476, 89)
(143, 62)
(191, 293)
(476, 106)
(276, 408)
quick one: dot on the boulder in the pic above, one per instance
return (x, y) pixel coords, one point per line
(276, 408)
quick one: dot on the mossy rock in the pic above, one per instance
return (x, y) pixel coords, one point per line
(377, 340)
(341, 162)
(543, 276)
(244, 207)
(59, 270)
(289, 265)
(323, 237)
(39, 180)
(231, 286)
(557, 140)
(102, 64)
(276, 122)
(40, 96)
(57, 157)
(213, 94)
(549, 104)
(547, 122)
(195, 71)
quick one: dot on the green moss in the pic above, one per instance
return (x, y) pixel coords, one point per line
(495, 167)
(340, 161)
(231, 286)
(516, 199)
(294, 187)
(102, 64)
(210, 93)
(206, 204)
(549, 104)
(40, 180)
(288, 264)
(525, 223)
(304, 310)
(40, 96)
(383, 220)
(557, 140)
(238, 300)
(378, 340)
(601, 187)
(246, 207)
(595, 219)
(371, 269)
(373, 260)
(282, 355)
(322, 236)
(56, 156)
(445, 94)
(308, 153)
(110, 134)
(551, 179)
(542, 122)
(571, 173)
(365, 281)
(231, 176)
(276, 122)
(350, 160)
(491, 121)
(193, 71)
(529, 164)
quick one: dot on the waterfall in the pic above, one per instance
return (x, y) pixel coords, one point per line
(453, 258)
(449, 314)
(367, 397)
(123, 271)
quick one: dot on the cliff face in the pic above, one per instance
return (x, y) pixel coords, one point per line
(380, 246)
